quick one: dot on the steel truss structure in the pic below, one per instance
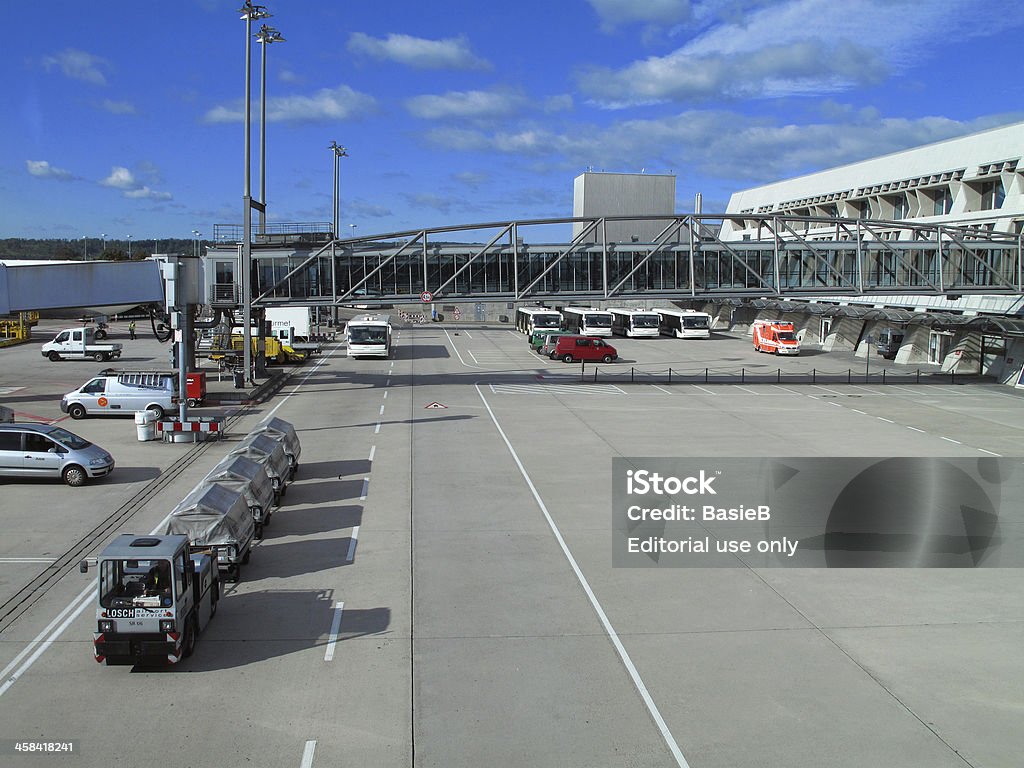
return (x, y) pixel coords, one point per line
(517, 261)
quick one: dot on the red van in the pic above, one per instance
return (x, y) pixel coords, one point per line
(572, 348)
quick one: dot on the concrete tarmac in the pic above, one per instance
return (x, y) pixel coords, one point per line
(437, 587)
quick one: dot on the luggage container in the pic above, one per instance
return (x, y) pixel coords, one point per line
(251, 480)
(265, 450)
(215, 516)
(283, 432)
(195, 388)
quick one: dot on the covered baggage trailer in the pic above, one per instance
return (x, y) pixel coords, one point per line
(249, 478)
(265, 450)
(215, 516)
(284, 432)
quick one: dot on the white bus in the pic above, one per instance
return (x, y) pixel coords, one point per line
(635, 322)
(532, 319)
(685, 323)
(369, 336)
(588, 321)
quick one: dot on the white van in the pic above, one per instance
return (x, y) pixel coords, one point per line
(124, 392)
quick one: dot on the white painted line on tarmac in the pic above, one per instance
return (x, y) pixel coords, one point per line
(385, 397)
(745, 389)
(309, 373)
(708, 391)
(27, 560)
(833, 391)
(307, 754)
(834, 405)
(470, 351)
(352, 545)
(387, 383)
(376, 429)
(652, 708)
(366, 488)
(950, 439)
(862, 413)
(888, 421)
(382, 410)
(467, 334)
(332, 639)
(75, 607)
(662, 389)
(787, 389)
(467, 365)
(866, 389)
(914, 428)
(373, 450)
(990, 453)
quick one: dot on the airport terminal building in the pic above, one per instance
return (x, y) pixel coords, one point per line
(974, 183)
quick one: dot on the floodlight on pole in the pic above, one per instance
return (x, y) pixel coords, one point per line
(104, 238)
(249, 12)
(339, 152)
(265, 36)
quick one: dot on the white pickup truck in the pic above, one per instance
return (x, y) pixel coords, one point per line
(79, 344)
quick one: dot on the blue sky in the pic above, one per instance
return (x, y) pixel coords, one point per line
(125, 118)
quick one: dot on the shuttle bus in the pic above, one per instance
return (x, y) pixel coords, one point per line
(685, 323)
(529, 320)
(635, 322)
(369, 336)
(587, 321)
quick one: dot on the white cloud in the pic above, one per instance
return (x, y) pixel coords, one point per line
(465, 104)
(717, 144)
(118, 107)
(793, 47)
(78, 65)
(341, 103)
(615, 12)
(146, 193)
(120, 178)
(418, 52)
(123, 179)
(43, 170)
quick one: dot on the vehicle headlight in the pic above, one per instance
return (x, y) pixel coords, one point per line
(166, 625)
(102, 461)
(105, 626)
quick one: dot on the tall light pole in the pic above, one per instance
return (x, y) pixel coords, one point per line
(265, 36)
(129, 247)
(195, 235)
(339, 152)
(250, 12)
(86, 241)
(104, 237)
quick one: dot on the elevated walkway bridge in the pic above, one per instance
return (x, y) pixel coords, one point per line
(572, 259)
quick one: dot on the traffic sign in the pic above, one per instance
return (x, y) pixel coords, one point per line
(426, 297)
(435, 405)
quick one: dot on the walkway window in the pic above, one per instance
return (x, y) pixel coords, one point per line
(943, 202)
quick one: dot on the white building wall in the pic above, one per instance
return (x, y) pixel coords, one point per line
(624, 194)
(904, 185)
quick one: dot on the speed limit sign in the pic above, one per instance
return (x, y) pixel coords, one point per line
(426, 297)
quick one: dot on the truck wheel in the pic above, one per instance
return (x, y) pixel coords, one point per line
(158, 409)
(74, 476)
(76, 411)
(100, 335)
(566, 358)
(54, 357)
(99, 357)
(188, 640)
(192, 402)
(607, 359)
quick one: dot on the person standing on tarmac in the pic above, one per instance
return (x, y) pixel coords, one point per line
(131, 330)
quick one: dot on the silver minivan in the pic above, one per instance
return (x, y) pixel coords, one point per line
(46, 450)
(122, 392)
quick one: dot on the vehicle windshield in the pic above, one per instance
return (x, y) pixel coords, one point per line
(367, 335)
(645, 321)
(135, 583)
(546, 321)
(787, 336)
(598, 321)
(69, 439)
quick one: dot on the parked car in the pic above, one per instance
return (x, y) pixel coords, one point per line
(571, 348)
(550, 341)
(46, 450)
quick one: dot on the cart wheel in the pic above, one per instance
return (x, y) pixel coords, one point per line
(192, 402)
